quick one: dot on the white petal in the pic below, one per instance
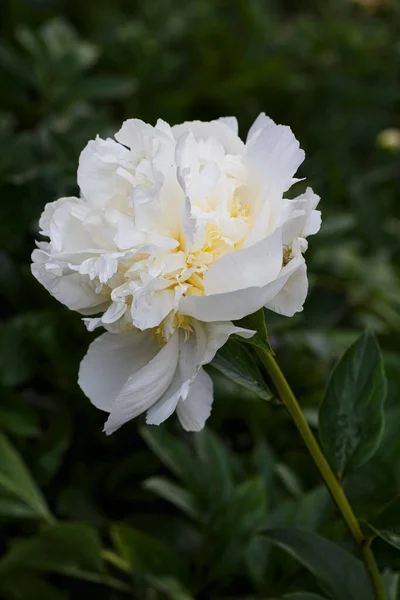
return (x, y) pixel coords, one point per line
(299, 217)
(274, 154)
(237, 304)
(256, 265)
(114, 312)
(144, 387)
(291, 297)
(109, 362)
(196, 350)
(213, 129)
(188, 224)
(97, 171)
(195, 410)
(77, 292)
(210, 337)
(232, 123)
(150, 307)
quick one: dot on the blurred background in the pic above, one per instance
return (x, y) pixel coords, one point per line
(154, 513)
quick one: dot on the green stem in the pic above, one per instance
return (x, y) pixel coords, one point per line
(288, 399)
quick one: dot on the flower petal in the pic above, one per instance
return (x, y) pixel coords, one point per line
(203, 130)
(273, 153)
(240, 303)
(293, 292)
(144, 387)
(194, 351)
(73, 290)
(195, 410)
(109, 362)
(97, 171)
(256, 265)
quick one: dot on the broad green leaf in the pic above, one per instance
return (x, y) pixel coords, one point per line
(60, 548)
(256, 321)
(236, 363)
(387, 523)
(340, 575)
(145, 554)
(175, 494)
(351, 413)
(16, 482)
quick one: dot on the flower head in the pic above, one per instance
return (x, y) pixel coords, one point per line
(178, 231)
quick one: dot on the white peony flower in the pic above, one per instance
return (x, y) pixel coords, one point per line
(178, 231)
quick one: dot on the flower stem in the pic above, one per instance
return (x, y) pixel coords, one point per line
(288, 399)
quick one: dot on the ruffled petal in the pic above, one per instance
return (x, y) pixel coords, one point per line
(110, 361)
(194, 351)
(97, 172)
(144, 387)
(256, 265)
(273, 153)
(240, 303)
(195, 410)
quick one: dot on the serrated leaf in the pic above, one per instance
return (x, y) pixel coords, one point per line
(387, 523)
(340, 575)
(236, 363)
(351, 413)
(16, 482)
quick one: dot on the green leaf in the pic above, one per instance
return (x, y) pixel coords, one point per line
(173, 453)
(62, 548)
(175, 494)
(26, 585)
(340, 575)
(105, 87)
(391, 581)
(236, 363)
(234, 525)
(71, 549)
(144, 553)
(16, 355)
(216, 464)
(351, 413)
(303, 596)
(16, 482)
(170, 588)
(256, 321)
(387, 523)
(17, 417)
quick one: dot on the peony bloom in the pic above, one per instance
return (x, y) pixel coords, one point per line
(178, 232)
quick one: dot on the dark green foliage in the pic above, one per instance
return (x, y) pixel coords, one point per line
(351, 413)
(156, 513)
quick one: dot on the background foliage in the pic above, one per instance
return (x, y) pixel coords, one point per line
(153, 513)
